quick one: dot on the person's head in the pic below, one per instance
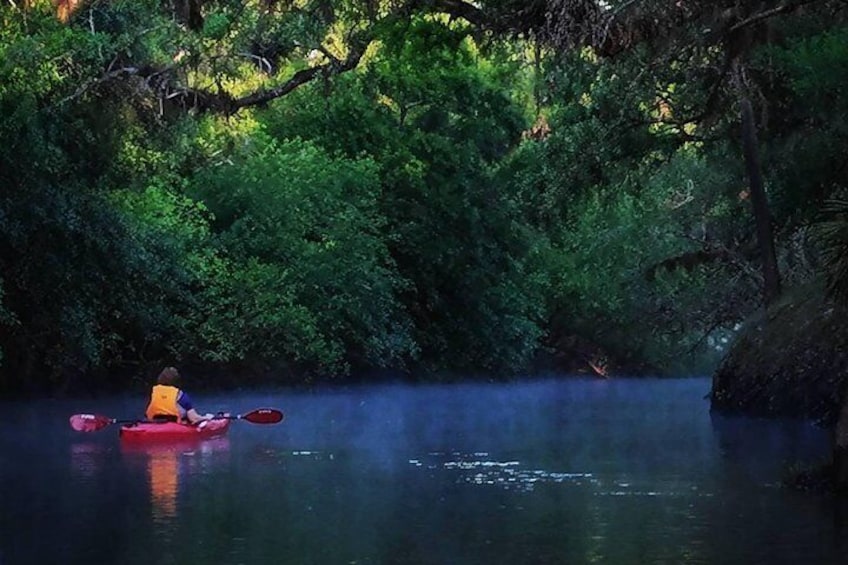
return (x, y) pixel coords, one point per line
(168, 376)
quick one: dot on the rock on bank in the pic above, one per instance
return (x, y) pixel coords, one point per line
(791, 361)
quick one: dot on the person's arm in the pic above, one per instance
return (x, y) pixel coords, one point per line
(194, 417)
(190, 413)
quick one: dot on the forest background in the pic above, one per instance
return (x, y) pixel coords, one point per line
(280, 191)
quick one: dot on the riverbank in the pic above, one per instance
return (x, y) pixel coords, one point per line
(791, 361)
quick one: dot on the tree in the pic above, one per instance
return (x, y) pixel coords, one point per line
(430, 109)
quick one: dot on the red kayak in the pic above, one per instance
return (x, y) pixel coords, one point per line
(143, 432)
(159, 432)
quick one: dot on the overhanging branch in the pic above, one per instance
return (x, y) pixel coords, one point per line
(107, 77)
(580, 23)
(779, 10)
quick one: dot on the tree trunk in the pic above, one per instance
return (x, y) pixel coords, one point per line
(189, 13)
(759, 201)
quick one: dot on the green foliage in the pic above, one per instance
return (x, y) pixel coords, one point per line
(806, 159)
(433, 120)
(616, 281)
(88, 286)
(216, 25)
(392, 216)
(644, 228)
(809, 129)
(817, 67)
(309, 276)
(61, 265)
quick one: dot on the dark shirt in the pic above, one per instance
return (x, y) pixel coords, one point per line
(184, 401)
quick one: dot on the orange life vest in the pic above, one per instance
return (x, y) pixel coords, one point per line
(163, 402)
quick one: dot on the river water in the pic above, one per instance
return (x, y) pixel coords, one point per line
(541, 472)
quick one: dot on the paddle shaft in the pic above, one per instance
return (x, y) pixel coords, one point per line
(94, 422)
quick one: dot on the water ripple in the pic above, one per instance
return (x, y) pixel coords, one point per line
(479, 468)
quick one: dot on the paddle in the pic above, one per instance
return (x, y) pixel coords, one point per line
(95, 422)
(257, 416)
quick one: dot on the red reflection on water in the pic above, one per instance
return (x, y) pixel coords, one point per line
(164, 467)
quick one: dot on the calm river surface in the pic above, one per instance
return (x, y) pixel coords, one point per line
(542, 472)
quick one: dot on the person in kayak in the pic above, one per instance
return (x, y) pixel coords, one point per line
(169, 403)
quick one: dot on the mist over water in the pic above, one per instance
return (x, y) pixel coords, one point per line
(545, 471)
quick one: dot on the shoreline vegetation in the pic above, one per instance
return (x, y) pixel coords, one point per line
(282, 194)
(792, 362)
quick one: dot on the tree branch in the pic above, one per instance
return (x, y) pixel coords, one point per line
(572, 19)
(756, 18)
(457, 9)
(110, 75)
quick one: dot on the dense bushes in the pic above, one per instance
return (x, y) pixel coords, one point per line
(403, 215)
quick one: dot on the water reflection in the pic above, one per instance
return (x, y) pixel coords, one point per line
(748, 445)
(87, 458)
(537, 472)
(163, 470)
(165, 464)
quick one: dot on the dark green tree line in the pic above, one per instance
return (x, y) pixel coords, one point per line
(326, 187)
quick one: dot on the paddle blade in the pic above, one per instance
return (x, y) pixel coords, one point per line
(263, 416)
(89, 422)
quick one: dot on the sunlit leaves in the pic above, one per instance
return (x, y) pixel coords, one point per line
(311, 220)
(432, 119)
